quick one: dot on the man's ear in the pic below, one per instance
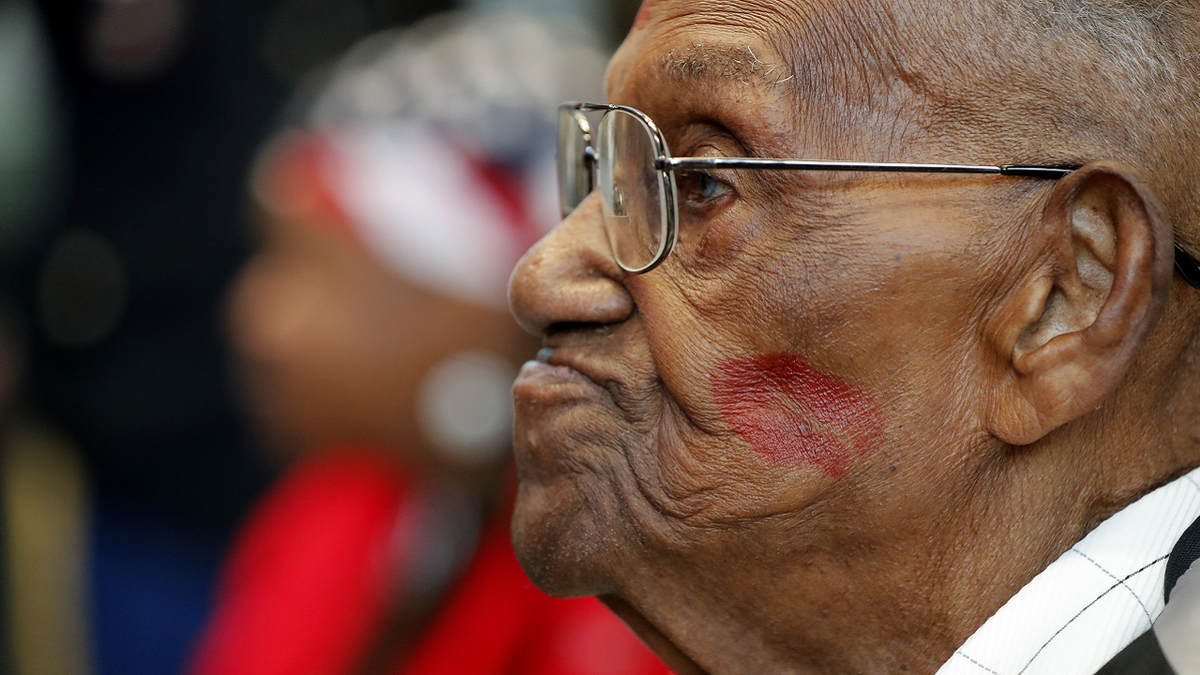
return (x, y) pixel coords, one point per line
(1075, 323)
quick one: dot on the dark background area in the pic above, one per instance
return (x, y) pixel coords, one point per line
(157, 165)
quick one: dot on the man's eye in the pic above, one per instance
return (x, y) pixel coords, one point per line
(700, 190)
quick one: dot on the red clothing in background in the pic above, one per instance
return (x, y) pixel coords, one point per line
(313, 572)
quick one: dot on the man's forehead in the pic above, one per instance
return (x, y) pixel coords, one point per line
(784, 20)
(722, 62)
(752, 41)
(827, 56)
(745, 12)
(693, 40)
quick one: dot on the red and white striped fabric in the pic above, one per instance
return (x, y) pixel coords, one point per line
(431, 211)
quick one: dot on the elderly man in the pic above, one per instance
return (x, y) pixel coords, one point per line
(935, 406)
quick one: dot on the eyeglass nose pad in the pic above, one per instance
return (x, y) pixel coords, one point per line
(593, 161)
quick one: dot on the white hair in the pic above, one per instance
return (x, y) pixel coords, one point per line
(1135, 32)
(1150, 54)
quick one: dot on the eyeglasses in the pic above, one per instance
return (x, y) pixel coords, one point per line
(627, 159)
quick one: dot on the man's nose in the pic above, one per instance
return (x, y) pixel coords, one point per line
(570, 277)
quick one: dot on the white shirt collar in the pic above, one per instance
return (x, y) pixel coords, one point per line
(1093, 601)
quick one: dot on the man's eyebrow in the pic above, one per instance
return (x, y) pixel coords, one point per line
(704, 63)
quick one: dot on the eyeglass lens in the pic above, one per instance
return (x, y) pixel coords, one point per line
(631, 190)
(574, 164)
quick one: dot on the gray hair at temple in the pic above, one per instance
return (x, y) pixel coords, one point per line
(1148, 42)
(1136, 80)
(996, 81)
(1130, 29)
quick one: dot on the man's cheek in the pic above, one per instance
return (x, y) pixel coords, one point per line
(792, 414)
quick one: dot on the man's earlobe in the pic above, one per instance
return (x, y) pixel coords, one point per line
(1074, 324)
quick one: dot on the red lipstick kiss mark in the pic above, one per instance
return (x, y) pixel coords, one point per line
(792, 414)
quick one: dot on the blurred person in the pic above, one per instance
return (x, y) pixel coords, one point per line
(374, 337)
(165, 104)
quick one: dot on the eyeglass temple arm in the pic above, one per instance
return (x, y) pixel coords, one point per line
(694, 163)
(1185, 263)
(1188, 267)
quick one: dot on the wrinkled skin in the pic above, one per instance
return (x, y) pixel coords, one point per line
(984, 320)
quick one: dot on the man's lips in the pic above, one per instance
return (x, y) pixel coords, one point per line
(543, 380)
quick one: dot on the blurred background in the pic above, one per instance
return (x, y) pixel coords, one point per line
(129, 454)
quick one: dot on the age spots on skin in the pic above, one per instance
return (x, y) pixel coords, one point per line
(645, 14)
(791, 413)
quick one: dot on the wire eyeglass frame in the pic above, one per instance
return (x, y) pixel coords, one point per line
(665, 165)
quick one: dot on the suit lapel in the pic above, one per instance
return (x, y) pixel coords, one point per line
(1186, 552)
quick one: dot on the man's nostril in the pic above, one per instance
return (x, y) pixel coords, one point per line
(571, 327)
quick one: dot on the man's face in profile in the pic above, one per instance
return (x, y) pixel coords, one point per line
(767, 372)
(819, 368)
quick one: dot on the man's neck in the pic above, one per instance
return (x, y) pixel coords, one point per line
(878, 600)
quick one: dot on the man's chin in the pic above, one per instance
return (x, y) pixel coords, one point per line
(672, 655)
(556, 540)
